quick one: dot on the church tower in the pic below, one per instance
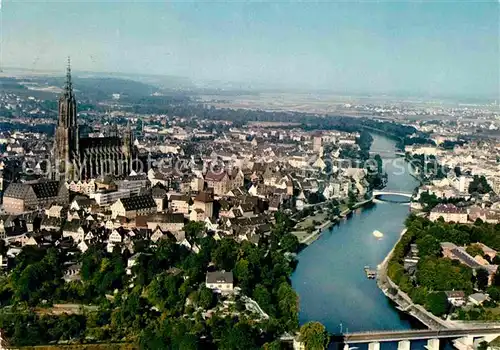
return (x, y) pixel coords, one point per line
(66, 145)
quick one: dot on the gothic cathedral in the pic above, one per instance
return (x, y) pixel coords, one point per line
(78, 158)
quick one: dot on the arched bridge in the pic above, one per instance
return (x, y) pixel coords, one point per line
(392, 193)
(385, 153)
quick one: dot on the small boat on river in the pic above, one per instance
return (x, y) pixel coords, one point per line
(371, 274)
(378, 234)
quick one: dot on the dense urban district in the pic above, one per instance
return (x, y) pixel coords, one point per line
(159, 221)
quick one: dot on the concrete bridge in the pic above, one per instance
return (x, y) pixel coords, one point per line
(392, 193)
(463, 337)
(387, 154)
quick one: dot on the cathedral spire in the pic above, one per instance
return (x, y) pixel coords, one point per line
(68, 88)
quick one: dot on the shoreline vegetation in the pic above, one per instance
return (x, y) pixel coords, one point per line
(318, 232)
(401, 300)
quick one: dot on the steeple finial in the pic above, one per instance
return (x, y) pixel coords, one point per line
(68, 87)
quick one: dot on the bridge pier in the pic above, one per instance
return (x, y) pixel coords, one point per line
(432, 344)
(464, 343)
(374, 346)
(488, 338)
(404, 345)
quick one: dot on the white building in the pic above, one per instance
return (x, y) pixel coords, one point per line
(220, 281)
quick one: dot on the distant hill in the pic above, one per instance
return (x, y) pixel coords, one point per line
(94, 88)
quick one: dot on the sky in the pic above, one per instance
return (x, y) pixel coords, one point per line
(421, 48)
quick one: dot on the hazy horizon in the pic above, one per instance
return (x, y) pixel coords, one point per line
(421, 49)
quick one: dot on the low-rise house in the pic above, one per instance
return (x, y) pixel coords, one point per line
(115, 236)
(83, 246)
(72, 273)
(197, 215)
(81, 203)
(478, 298)
(204, 201)
(157, 235)
(179, 203)
(55, 211)
(171, 222)
(220, 281)
(160, 196)
(75, 230)
(456, 298)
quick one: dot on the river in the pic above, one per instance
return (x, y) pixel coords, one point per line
(329, 279)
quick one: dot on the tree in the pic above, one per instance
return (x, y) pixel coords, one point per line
(224, 255)
(474, 250)
(243, 274)
(314, 336)
(288, 306)
(239, 337)
(482, 277)
(494, 293)
(206, 298)
(483, 345)
(479, 185)
(437, 303)
(262, 296)
(164, 291)
(193, 229)
(428, 246)
(274, 345)
(290, 243)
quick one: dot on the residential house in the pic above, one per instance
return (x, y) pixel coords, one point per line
(219, 181)
(478, 298)
(220, 281)
(179, 203)
(204, 201)
(75, 230)
(160, 196)
(167, 222)
(456, 298)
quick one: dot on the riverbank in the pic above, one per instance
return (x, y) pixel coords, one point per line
(401, 299)
(313, 236)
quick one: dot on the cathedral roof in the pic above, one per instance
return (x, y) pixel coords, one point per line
(99, 142)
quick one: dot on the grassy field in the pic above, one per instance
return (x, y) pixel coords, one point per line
(307, 222)
(300, 230)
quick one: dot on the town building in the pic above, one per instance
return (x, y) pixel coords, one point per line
(449, 213)
(220, 281)
(133, 206)
(21, 197)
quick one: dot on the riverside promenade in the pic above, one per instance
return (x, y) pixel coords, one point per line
(329, 223)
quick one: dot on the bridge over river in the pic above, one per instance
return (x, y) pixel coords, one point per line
(419, 334)
(378, 194)
(463, 337)
(392, 193)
